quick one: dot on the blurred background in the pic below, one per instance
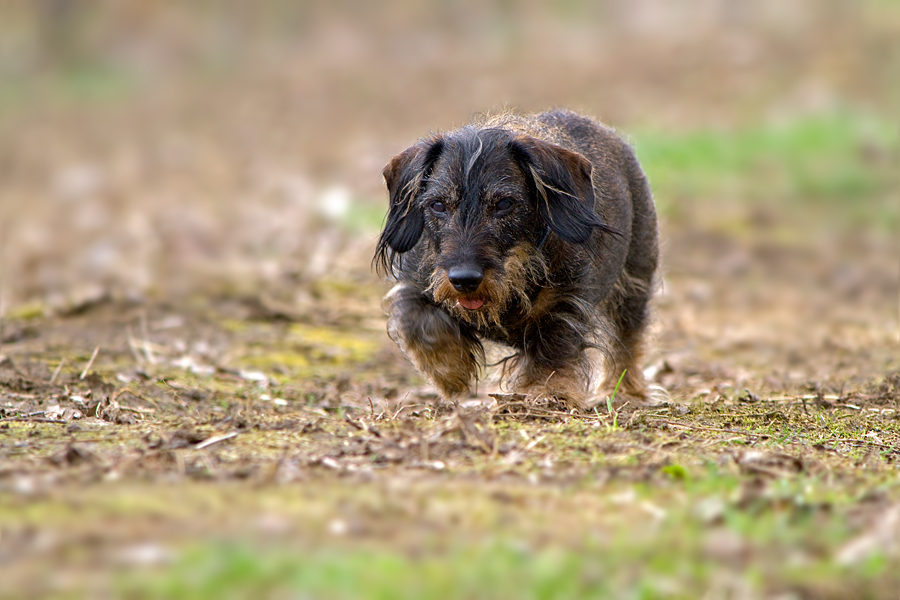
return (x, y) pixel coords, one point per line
(154, 149)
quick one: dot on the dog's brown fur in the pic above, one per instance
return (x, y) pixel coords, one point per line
(537, 232)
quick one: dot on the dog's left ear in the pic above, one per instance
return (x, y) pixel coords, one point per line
(561, 180)
(405, 175)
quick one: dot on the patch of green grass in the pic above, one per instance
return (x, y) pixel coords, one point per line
(677, 561)
(843, 163)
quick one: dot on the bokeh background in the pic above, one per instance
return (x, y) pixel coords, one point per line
(153, 149)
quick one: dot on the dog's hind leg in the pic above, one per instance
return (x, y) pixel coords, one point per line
(629, 314)
(444, 351)
(628, 304)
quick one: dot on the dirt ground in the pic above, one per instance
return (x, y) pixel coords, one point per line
(198, 397)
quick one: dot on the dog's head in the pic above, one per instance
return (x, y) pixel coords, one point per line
(483, 203)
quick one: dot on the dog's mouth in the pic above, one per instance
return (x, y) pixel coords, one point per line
(471, 303)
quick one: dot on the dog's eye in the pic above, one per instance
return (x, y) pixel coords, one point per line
(438, 207)
(503, 206)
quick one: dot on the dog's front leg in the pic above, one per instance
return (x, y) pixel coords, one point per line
(443, 350)
(552, 363)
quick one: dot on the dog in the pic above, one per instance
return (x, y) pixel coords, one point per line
(535, 232)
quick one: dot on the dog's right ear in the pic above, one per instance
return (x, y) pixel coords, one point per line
(562, 182)
(405, 175)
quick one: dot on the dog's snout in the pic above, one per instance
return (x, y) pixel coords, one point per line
(465, 279)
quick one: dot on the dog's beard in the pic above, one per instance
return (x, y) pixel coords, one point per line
(520, 269)
(494, 294)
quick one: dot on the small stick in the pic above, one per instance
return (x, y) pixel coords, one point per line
(215, 440)
(33, 420)
(404, 407)
(140, 411)
(59, 367)
(90, 364)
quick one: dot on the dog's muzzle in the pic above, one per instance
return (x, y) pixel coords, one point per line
(465, 279)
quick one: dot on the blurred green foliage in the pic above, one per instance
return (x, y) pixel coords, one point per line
(841, 163)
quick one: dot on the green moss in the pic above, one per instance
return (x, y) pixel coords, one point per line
(31, 310)
(333, 341)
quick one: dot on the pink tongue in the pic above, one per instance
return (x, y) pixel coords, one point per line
(471, 304)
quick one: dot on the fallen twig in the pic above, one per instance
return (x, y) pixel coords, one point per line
(716, 429)
(404, 407)
(362, 426)
(140, 411)
(215, 440)
(864, 442)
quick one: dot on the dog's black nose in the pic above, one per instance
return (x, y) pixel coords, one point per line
(465, 279)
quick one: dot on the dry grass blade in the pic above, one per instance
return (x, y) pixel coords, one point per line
(56, 372)
(90, 364)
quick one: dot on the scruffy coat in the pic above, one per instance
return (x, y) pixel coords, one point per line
(536, 232)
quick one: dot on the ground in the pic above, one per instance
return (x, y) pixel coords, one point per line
(257, 433)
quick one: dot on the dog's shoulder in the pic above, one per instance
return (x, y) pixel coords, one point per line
(583, 131)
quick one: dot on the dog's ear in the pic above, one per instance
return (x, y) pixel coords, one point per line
(561, 181)
(405, 176)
